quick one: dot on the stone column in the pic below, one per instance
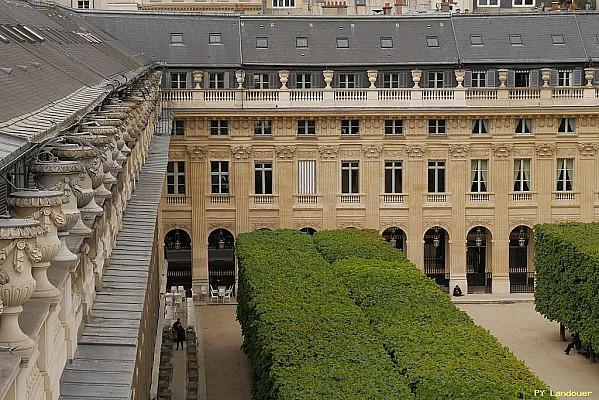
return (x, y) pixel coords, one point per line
(17, 251)
(44, 207)
(199, 250)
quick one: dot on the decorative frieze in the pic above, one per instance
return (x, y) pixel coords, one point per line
(241, 152)
(307, 154)
(588, 149)
(263, 154)
(328, 152)
(394, 222)
(416, 150)
(347, 154)
(350, 223)
(429, 223)
(459, 150)
(522, 152)
(184, 226)
(314, 224)
(221, 154)
(393, 153)
(285, 152)
(228, 225)
(516, 222)
(471, 223)
(197, 153)
(502, 150)
(271, 225)
(545, 149)
(565, 152)
(437, 154)
(372, 151)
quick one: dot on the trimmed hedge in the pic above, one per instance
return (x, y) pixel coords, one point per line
(567, 276)
(360, 329)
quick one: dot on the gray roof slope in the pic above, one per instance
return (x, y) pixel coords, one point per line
(364, 36)
(136, 28)
(535, 30)
(589, 29)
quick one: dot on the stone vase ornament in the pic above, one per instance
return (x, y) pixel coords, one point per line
(416, 76)
(45, 208)
(372, 75)
(95, 164)
(18, 250)
(328, 77)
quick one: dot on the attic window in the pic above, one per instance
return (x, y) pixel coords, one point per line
(342, 43)
(432, 41)
(558, 39)
(516, 40)
(262, 43)
(476, 40)
(386, 43)
(215, 38)
(301, 42)
(176, 39)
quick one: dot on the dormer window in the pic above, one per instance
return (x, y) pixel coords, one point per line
(558, 39)
(262, 43)
(342, 43)
(386, 43)
(516, 40)
(432, 41)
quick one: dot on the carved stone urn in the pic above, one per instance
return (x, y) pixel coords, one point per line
(64, 177)
(45, 208)
(416, 75)
(328, 77)
(372, 75)
(18, 250)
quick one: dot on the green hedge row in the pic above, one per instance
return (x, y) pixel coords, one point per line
(360, 329)
(567, 276)
(304, 336)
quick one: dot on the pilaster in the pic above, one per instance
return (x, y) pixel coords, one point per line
(199, 236)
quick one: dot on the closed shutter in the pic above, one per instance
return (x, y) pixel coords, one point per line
(317, 80)
(534, 78)
(404, 82)
(228, 81)
(577, 77)
(511, 78)
(448, 79)
(360, 80)
(468, 79)
(553, 81)
(306, 177)
(335, 82)
(274, 82)
(424, 79)
(492, 78)
(291, 82)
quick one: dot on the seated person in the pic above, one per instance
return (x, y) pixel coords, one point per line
(457, 291)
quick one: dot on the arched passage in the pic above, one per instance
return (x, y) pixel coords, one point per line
(478, 272)
(308, 230)
(396, 236)
(522, 276)
(435, 256)
(177, 252)
(221, 258)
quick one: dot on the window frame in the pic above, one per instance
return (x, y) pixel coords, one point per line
(437, 127)
(479, 176)
(216, 80)
(219, 177)
(178, 127)
(432, 41)
(181, 80)
(299, 42)
(565, 77)
(262, 127)
(436, 176)
(306, 127)
(263, 178)
(342, 43)
(393, 127)
(386, 42)
(478, 79)
(391, 80)
(261, 80)
(480, 126)
(523, 126)
(283, 3)
(515, 39)
(219, 127)
(347, 80)
(303, 83)
(483, 3)
(393, 176)
(522, 175)
(350, 177)
(566, 126)
(176, 39)
(176, 178)
(566, 183)
(215, 38)
(350, 127)
(262, 42)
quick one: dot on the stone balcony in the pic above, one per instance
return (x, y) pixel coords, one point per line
(378, 98)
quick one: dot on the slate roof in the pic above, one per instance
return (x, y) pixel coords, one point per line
(408, 33)
(61, 69)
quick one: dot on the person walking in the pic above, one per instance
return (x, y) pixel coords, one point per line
(178, 333)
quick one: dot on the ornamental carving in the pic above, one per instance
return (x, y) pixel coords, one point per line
(565, 220)
(514, 223)
(349, 223)
(393, 154)
(372, 151)
(228, 225)
(522, 152)
(241, 152)
(459, 150)
(345, 154)
(264, 225)
(219, 154)
(430, 223)
(437, 153)
(285, 152)
(316, 225)
(307, 154)
(416, 150)
(588, 149)
(171, 226)
(197, 153)
(328, 152)
(20, 249)
(565, 152)
(394, 223)
(471, 223)
(545, 149)
(502, 150)
(176, 155)
(263, 154)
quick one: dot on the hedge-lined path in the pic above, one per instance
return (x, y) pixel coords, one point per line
(226, 365)
(536, 341)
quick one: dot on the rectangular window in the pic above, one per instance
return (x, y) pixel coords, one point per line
(393, 127)
(262, 43)
(479, 175)
(219, 127)
(436, 176)
(558, 39)
(386, 43)
(263, 178)
(523, 3)
(480, 126)
(346, 81)
(522, 175)
(178, 127)
(391, 80)
(215, 38)
(479, 78)
(301, 42)
(564, 77)
(565, 174)
(522, 79)
(283, 3)
(263, 127)
(435, 79)
(178, 80)
(350, 127)
(516, 40)
(523, 126)
(216, 80)
(306, 127)
(175, 177)
(436, 127)
(342, 43)
(476, 40)
(567, 125)
(306, 174)
(432, 41)
(488, 3)
(176, 38)
(393, 177)
(219, 177)
(261, 81)
(350, 177)
(84, 4)
(303, 80)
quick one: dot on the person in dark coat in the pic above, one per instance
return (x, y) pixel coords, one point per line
(457, 291)
(574, 343)
(180, 332)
